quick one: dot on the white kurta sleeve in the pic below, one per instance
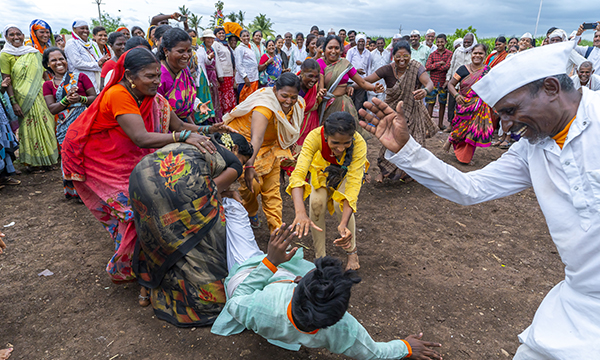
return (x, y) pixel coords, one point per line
(78, 59)
(505, 176)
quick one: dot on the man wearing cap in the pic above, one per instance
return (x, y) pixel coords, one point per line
(525, 42)
(558, 157)
(585, 77)
(429, 40)
(390, 47)
(419, 52)
(360, 58)
(592, 53)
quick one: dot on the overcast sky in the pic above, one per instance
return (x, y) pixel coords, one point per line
(374, 17)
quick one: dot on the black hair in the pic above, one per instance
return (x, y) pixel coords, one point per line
(244, 147)
(133, 29)
(322, 296)
(299, 34)
(351, 32)
(501, 39)
(402, 44)
(268, 41)
(287, 79)
(137, 59)
(340, 122)
(257, 31)
(136, 41)
(512, 39)
(310, 64)
(314, 27)
(344, 30)
(97, 29)
(190, 30)
(380, 38)
(161, 30)
(46, 57)
(322, 32)
(550, 31)
(406, 37)
(566, 84)
(336, 38)
(58, 36)
(170, 39)
(320, 42)
(244, 31)
(481, 45)
(112, 38)
(217, 29)
(373, 42)
(441, 36)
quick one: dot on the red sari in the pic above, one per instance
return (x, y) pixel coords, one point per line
(495, 58)
(99, 157)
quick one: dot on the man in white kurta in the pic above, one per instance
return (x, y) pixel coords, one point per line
(566, 182)
(379, 57)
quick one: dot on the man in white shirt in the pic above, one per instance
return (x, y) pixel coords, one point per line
(288, 45)
(585, 77)
(430, 40)
(592, 53)
(559, 157)
(379, 58)
(395, 39)
(298, 54)
(360, 58)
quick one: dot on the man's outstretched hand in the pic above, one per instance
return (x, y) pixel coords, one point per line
(421, 349)
(387, 125)
(278, 243)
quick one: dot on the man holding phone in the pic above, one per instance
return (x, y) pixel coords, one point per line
(592, 53)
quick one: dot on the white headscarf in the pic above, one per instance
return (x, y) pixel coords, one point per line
(457, 42)
(10, 49)
(361, 36)
(78, 23)
(470, 48)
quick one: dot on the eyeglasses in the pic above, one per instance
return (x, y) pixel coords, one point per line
(406, 57)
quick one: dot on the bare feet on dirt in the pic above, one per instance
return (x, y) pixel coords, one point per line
(352, 262)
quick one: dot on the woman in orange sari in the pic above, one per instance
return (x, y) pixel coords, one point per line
(127, 121)
(40, 35)
(497, 56)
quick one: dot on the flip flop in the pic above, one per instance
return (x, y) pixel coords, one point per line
(10, 181)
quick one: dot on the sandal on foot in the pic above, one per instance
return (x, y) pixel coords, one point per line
(10, 181)
(254, 221)
(144, 300)
(505, 145)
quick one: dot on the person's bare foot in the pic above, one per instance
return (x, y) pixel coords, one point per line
(144, 297)
(379, 178)
(352, 262)
(5, 353)
(446, 146)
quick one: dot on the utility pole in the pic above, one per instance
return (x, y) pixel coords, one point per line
(98, 2)
(537, 21)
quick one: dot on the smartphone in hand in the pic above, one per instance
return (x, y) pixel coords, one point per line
(589, 26)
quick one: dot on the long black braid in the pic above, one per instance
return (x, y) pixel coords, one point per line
(339, 122)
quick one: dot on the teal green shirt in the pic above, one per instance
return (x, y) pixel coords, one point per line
(421, 54)
(260, 304)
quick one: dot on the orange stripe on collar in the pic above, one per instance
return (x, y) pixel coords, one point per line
(291, 319)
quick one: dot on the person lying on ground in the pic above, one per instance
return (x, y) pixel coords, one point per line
(292, 302)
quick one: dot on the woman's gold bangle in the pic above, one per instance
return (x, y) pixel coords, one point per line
(174, 137)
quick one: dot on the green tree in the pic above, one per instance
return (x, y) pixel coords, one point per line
(64, 31)
(241, 16)
(194, 22)
(110, 23)
(262, 23)
(184, 11)
(232, 16)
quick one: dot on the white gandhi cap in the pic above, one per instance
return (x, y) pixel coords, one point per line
(522, 69)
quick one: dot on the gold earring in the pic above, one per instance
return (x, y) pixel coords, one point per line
(132, 84)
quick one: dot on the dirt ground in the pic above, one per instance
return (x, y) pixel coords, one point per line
(468, 277)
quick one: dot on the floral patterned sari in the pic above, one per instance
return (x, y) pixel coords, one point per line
(181, 251)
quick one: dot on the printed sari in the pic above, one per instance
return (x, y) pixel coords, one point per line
(472, 125)
(64, 119)
(36, 130)
(273, 71)
(420, 125)
(495, 58)
(180, 92)
(180, 252)
(211, 74)
(333, 75)
(99, 157)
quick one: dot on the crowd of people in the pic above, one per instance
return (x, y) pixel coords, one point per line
(169, 137)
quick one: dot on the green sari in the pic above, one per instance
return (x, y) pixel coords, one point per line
(38, 146)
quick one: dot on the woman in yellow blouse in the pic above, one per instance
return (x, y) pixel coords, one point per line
(270, 120)
(336, 156)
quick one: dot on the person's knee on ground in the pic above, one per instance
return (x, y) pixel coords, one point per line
(322, 295)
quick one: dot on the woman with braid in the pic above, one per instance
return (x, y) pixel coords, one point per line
(336, 156)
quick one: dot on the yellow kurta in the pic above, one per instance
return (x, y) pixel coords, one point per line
(310, 159)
